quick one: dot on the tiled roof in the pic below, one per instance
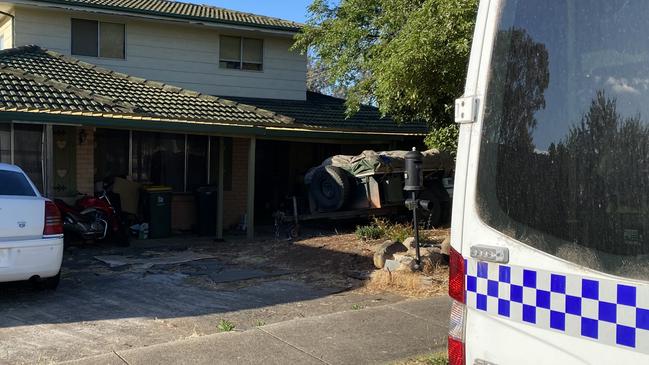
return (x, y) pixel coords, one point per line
(186, 11)
(33, 79)
(324, 111)
(40, 81)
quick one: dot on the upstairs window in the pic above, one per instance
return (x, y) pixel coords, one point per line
(98, 39)
(241, 53)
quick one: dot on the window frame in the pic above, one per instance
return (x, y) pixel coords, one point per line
(99, 56)
(241, 61)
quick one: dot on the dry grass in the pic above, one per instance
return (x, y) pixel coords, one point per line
(434, 359)
(432, 281)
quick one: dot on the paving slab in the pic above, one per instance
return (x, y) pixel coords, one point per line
(375, 335)
(436, 310)
(249, 347)
(369, 336)
(105, 359)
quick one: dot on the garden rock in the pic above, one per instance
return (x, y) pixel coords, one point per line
(409, 243)
(446, 245)
(406, 262)
(386, 251)
(392, 265)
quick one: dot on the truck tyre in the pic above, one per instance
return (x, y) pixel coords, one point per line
(330, 187)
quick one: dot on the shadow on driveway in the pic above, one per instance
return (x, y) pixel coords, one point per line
(90, 290)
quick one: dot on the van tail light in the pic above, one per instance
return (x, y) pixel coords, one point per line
(456, 334)
(458, 309)
(53, 222)
(456, 276)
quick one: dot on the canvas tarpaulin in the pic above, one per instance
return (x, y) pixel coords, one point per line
(371, 162)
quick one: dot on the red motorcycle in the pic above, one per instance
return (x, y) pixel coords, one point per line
(92, 219)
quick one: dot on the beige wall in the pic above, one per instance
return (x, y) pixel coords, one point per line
(178, 54)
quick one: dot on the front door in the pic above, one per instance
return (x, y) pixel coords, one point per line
(64, 153)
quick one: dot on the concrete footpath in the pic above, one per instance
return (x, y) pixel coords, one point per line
(376, 335)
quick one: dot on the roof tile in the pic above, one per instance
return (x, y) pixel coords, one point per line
(187, 11)
(73, 83)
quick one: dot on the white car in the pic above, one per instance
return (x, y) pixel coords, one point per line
(31, 232)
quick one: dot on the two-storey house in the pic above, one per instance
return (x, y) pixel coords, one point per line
(169, 93)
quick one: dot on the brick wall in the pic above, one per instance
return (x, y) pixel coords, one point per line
(86, 162)
(235, 200)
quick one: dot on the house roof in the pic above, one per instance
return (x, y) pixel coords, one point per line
(323, 111)
(185, 11)
(37, 80)
(50, 85)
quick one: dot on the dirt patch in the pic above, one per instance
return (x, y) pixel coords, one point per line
(343, 261)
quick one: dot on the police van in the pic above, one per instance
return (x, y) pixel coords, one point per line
(550, 227)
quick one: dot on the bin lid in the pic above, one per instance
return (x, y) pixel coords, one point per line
(157, 188)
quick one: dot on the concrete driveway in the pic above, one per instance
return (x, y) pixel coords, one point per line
(160, 292)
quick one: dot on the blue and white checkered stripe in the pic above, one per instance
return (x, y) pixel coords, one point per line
(601, 310)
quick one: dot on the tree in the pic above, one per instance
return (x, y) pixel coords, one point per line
(520, 74)
(408, 57)
(317, 81)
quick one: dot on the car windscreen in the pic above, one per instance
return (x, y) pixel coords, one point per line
(564, 163)
(15, 183)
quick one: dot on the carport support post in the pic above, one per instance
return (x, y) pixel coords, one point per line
(250, 211)
(219, 198)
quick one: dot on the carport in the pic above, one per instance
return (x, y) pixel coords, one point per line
(69, 124)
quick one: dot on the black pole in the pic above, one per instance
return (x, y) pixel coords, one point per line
(414, 219)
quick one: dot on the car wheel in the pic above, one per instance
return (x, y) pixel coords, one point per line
(48, 283)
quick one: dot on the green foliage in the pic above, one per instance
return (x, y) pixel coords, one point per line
(369, 232)
(225, 326)
(444, 138)
(357, 307)
(409, 57)
(260, 323)
(438, 359)
(383, 228)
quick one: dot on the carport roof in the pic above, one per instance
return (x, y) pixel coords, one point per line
(48, 86)
(323, 111)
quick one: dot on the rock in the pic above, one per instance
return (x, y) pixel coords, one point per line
(408, 264)
(386, 251)
(446, 245)
(391, 265)
(409, 243)
(433, 259)
(429, 251)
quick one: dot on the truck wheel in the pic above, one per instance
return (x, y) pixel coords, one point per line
(330, 187)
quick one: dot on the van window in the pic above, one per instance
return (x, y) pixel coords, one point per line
(15, 183)
(564, 163)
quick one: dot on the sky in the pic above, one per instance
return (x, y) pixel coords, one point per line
(294, 10)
